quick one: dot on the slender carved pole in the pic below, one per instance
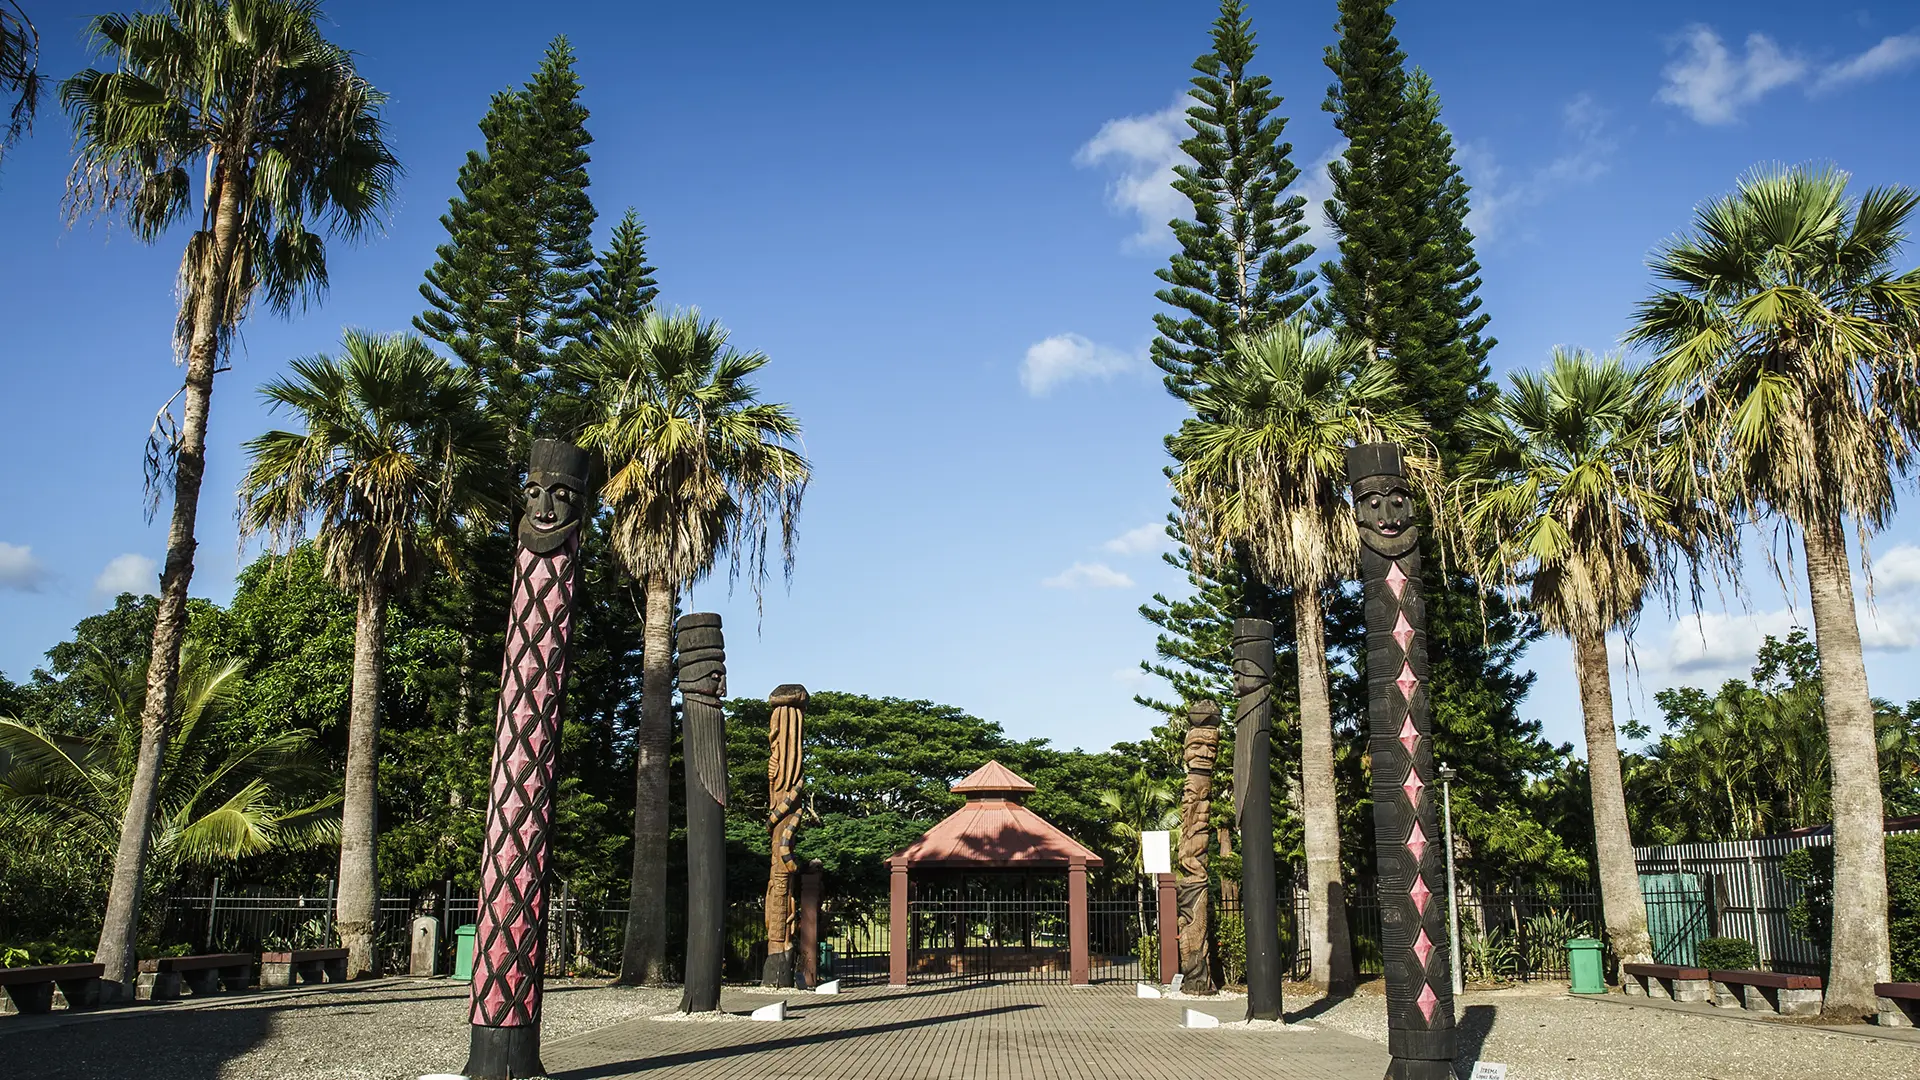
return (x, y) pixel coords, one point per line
(1400, 739)
(510, 954)
(1201, 749)
(1253, 801)
(784, 779)
(703, 738)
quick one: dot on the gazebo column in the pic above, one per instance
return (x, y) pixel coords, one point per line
(1079, 970)
(1168, 908)
(897, 920)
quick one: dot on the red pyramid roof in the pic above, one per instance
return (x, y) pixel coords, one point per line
(992, 776)
(995, 832)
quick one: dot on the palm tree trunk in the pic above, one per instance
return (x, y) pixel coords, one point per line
(645, 959)
(1620, 900)
(121, 924)
(1858, 953)
(1332, 957)
(359, 903)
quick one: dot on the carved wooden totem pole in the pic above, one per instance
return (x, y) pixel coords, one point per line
(510, 950)
(1253, 807)
(784, 779)
(1407, 845)
(703, 740)
(1201, 749)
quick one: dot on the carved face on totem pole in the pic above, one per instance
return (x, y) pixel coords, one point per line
(556, 495)
(1202, 745)
(1383, 501)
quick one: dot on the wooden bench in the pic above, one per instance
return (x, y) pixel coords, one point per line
(1669, 981)
(1899, 1003)
(307, 966)
(31, 988)
(203, 975)
(1768, 992)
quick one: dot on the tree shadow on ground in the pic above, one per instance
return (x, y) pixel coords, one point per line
(1476, 1023)
(198, 1043)
(664, 1061)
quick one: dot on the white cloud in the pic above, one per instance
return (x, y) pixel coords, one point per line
(1712, 85)
(1139, 541)
(127, 573)
(1890, 55)
(1589, 146)
(19, 570)
(1897, 570)
(1065, 357)
(1143, 151)
(1719, 642)
(1089, 576)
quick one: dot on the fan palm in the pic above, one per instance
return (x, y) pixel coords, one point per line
(396, 455)
(1572, 491)
(1791, 339)
(19, 72)
(1260, 474)
(224, 793)
(696, 465)
(247, 97)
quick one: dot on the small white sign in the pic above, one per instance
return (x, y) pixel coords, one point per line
(1142, 990)
(831, 986)
(1487, 1070)
(1156, 851)
(775, 1011)
(1178, 981)
(1198, 1019)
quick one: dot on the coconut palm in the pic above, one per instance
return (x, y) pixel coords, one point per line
(1788, 334)
(247, 101)
(397, 454)
(1260, 473)
(696, 466)
(224, 793)
(1572, 494)
(19, 72)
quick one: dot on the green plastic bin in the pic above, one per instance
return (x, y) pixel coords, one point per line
(1586, 971)
(826, 957)
(463, 952)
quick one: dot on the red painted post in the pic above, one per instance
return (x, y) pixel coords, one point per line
(1079, 970)
(809, 928)
(1169, 908)
(898, 928)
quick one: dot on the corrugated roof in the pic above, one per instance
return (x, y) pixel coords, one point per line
(994, 831)
(992, 776)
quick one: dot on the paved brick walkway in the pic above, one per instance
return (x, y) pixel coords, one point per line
(964, 1032)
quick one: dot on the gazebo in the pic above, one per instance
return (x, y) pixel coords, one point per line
(994, 830)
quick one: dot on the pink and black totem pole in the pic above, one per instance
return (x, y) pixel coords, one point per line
(510, 951)
(1407, 846)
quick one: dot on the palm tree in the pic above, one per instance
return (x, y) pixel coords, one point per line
(19, 72)
(224, 793)
(1260, 473)
(397, 455)
(1570, 490)
(248, 98)
(696, 465)
(1790, 338)
(1140, 804)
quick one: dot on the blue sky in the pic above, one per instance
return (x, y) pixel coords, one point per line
(942, 221)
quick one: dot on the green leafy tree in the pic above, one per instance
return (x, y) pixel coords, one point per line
(281, 133)
(508, 289)
(1262, 468)
(1783, 326)
(1569, 492)
(697, 467)
(395, 457)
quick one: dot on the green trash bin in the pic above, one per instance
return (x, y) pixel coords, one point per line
(826, 958)
(1586, 971)
(463, 952)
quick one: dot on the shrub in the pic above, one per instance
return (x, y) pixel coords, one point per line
(1231, 936)
(1487, 957)
(1728, 954)
(1148, 950)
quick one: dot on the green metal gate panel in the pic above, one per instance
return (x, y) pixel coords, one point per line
(1679, 917)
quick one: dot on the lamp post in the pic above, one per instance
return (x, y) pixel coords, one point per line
(1446, 773)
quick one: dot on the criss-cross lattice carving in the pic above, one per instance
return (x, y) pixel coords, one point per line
(510, 950)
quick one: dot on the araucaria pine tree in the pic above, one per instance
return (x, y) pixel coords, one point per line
(622, 284)
(508, 289)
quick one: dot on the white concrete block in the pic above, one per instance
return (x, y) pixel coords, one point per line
(1197, 1019)
(775, 1011)
(1145, 991)
(831, 986)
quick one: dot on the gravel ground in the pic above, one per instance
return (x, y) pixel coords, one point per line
(393, 1031)
(1542, 1033)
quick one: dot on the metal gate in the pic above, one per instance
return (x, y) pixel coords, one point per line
(985, 938)
(1679, 916)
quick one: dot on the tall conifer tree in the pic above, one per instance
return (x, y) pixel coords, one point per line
(622, 284)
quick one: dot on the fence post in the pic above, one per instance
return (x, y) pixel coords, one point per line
(213, 906)
(897, 915)
(1167, 907)
(809, 929)
(328, 908)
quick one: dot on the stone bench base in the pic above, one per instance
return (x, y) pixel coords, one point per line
(1898, 1013)
(1766, 999)
(275, 973)
(1668, 989)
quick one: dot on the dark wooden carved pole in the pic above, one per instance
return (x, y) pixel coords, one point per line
(1253, 806)
(1201, 749)
(784, 779)
(510, 950)
(1407, 846)
(703, 739)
